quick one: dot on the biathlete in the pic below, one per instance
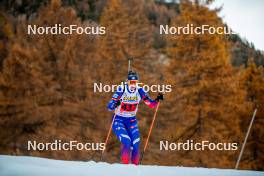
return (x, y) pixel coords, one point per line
(125, 104)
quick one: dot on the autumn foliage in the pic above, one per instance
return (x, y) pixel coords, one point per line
(47, 93)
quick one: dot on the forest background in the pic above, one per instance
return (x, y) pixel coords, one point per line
(46, 81)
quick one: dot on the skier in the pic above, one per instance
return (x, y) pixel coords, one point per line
(125, 103)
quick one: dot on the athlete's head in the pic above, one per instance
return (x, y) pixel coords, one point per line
(132, 80)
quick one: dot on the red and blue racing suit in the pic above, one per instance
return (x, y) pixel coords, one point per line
(125, 125)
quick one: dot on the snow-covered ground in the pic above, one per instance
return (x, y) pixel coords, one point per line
(34, 166)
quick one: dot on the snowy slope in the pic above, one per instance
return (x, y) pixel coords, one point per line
(34, 166)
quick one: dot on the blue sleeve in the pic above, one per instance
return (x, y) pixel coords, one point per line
(117, 95)
(147, 100)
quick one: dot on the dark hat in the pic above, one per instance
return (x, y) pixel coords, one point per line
(132, 76)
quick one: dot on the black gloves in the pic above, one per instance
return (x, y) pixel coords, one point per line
(159, 97)
(117, 103)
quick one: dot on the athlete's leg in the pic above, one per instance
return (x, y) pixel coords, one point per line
(122, 135)
(135, 140)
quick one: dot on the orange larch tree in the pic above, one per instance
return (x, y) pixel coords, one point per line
(206, 87)
(253, 82)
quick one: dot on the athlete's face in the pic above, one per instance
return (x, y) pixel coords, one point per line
(132, 84)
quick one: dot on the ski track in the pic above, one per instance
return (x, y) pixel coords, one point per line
(35, 166)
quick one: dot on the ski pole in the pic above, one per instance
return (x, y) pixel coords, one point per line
(108, 135)
(245, 140)
(150, 130)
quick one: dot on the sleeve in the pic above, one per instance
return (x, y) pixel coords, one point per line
(117, 95)
(147, 100)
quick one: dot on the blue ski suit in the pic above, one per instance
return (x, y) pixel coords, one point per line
(125, 125)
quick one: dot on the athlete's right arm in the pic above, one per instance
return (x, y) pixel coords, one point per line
(115, 101)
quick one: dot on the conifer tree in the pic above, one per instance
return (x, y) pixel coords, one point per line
(44, 84)
(127, 35)
(210, 103)
(253, 81)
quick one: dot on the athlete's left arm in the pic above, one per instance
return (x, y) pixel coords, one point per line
(147, 100)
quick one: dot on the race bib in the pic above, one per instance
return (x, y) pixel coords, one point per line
(128, 107)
